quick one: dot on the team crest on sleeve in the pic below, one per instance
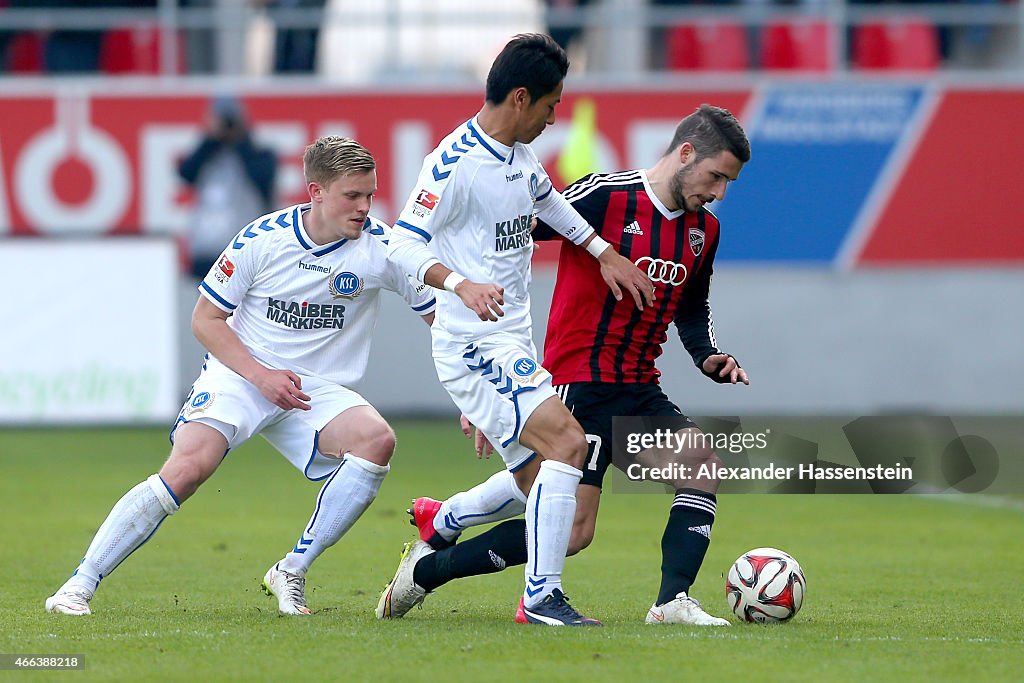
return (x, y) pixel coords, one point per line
(425, 203)
(224, 270)
(345, 285)
(696, 241)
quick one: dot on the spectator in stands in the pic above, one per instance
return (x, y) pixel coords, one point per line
(233, 180)
(563, 34)
(295, 48)
(200, 42)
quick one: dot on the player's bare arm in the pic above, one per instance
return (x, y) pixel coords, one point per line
(723, 368)
(485, 299)
(620, 274)
(283, 388)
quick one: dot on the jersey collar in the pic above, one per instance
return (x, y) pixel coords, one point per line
(303, 237)
(497, 149)
(671, 215)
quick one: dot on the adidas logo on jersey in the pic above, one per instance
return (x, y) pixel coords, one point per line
(633, 229)
(704, 530)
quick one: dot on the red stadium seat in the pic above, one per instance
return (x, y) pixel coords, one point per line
(134, 49)
(903, 44)
(25, 54)
(718, 46)
(798, 46)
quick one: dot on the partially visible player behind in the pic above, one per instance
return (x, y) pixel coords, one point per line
(602, 351)
(466, 229)
(286, 314)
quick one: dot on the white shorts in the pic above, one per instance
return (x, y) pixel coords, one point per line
(224, 400)
(497, 383)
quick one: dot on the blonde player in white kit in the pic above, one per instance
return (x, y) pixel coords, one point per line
(466, 229)
(287, 315)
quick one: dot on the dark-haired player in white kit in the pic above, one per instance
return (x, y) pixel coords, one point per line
(287, 315)
(466, 229)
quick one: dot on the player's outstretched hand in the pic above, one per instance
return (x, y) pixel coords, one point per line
(723, 368)
(620, 274)
(283, 388)
(480, 442)
(484, 299)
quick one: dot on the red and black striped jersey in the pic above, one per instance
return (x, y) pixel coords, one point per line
(591, 337)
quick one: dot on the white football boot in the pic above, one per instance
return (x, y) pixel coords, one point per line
(402, 594)
(682, 610)
(73, 601)
(288, 588)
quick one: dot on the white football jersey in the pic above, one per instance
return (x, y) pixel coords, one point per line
(473, 207)
(309, 308)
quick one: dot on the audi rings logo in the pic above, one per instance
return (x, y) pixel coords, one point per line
(667, 272)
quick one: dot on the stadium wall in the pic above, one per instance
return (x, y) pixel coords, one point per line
(872, 250)
(92, 335)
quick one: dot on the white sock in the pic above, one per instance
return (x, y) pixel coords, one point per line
(496, 499)
(343, 498)
(550, 511)
(130, 523)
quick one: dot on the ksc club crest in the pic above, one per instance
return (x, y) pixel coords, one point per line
(199, 402)
(345, 285)
(526, 372)
(524, 367)
(696, 241)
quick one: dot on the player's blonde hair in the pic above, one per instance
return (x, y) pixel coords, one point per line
(332, 156)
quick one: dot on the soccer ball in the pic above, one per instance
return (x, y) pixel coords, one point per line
(765, 585)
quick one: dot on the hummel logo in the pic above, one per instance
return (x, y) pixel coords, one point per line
(633, 229)
(704, 530)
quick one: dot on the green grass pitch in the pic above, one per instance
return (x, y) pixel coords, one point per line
(899, 587)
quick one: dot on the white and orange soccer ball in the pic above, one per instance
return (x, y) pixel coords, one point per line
(765, 585)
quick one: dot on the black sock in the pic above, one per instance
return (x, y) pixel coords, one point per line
(439, 542)
(686, 539)
(497, 548)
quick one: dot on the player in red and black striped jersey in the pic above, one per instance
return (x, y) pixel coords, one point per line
(592, 337)
(601, 351)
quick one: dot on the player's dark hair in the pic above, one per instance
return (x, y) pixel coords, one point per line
(712, 130)
(530, 60)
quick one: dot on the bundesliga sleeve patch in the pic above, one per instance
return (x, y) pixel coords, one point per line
(225, 269)
(425, 203)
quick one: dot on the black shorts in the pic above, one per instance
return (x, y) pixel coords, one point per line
(594, 404)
